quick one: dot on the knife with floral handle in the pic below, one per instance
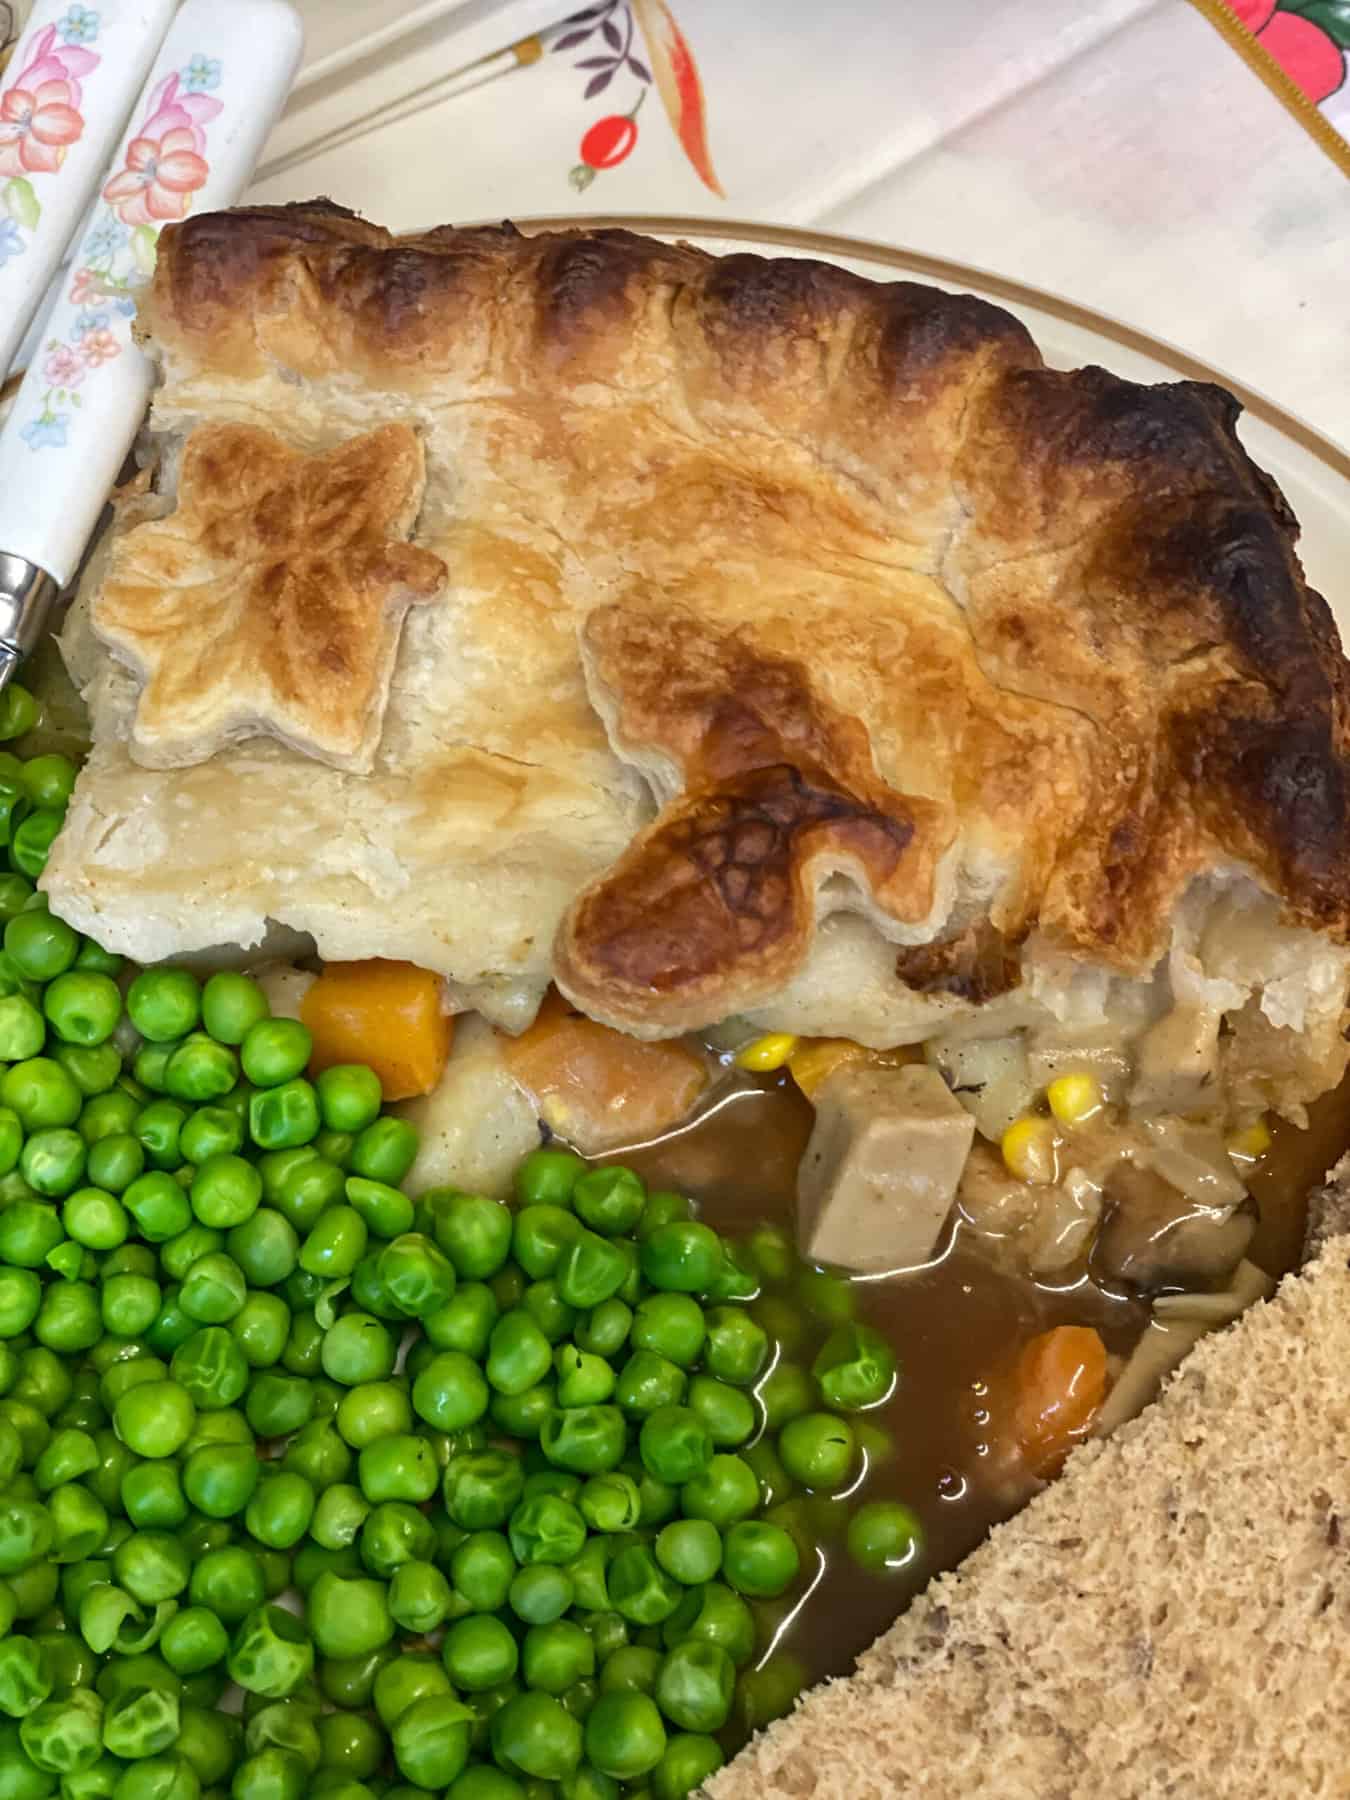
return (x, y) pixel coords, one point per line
(216, 88)
(64, 100)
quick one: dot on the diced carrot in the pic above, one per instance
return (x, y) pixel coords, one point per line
(598, 1087)
(815, 1059)
(1059, 1383)
(387, 1014)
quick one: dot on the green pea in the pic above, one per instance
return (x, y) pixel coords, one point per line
(584, 1439)
(152, 1496)
(855, 1368)
(547, 1177)
(213, 1290)
(22, 1032)
(590, 1270)
(20, 1294)
(640, 1589)
(164, 1004)
(82, 1008)
(625, 1737)
(662, 1209)
(399, 1468)
(690, 1550)
(674, 1444)
(539, 1237)
(785, 1393)
(53, 1161)
(31, 841)
(39, 945)
(387, 1211)
(349, 1097)
(482, 1488)
(419, 1597)
(152, 1566)
(474, 1232)
(682, 1256)
(465, 1322)
(275, 1051)
(672, 1326)
(695, 1685)
(556, 1656)
(583, 1379)
(723, 1618)
(431, 1740)
(210, 1131)
(349, 1617)
(108, 1115)
(231, 1004)
(280, 1510)
(284, 1115)
(155, 1419)
(385, 1150)
(41, 1093)
(158, 1205)
(759, 1559)
(647, 1382)
(140, 1721)
(65, 1736)
(818, 1449)
(546, 1529)
(350, 1742)
(884, 1535)
(373, 1410)
(728, 1413)
(335, 1245)
(519, 1355)
(450, 1392)
(417, 1276)
(94, 1068)
(24, 1680)
(690, 1758)
(537, 1736)
(605, 1331)
(113, 1164)
(767, 1693)
(271, 1653)
(338, 1517)
(300, 1184)
(479, 1653)
(737, 1347)
(225, 1191)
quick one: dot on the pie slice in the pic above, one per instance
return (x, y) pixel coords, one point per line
(809, 652)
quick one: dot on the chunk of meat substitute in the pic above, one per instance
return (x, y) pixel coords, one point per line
(882, 1167)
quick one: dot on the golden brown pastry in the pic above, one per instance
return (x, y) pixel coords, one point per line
(809, 649)
(269, 602)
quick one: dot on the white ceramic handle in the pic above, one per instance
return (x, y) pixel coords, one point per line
(64, 100)
(216, 89)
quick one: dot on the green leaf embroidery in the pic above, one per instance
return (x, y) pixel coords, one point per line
(143, 244)
(21, 203)
(1332, 15)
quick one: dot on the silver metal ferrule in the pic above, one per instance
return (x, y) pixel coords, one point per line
(26, 596)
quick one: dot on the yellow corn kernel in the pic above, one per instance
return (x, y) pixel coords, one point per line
(1074, 1099)
(767, 1053)
(813, 1059)
(1251, 1145)
(1028, 1147)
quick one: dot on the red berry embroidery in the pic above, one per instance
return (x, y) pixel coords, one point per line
(608, 141)
(606, 144)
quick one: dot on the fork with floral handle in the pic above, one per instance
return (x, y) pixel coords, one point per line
(216, 87)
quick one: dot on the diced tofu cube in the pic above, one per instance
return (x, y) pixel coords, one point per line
(881, 1170)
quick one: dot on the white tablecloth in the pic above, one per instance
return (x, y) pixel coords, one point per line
(1116, 152)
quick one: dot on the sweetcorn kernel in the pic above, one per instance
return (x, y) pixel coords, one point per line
(766, 1053)
(1251, 1145)
(1074, 1099)
(1028, 1147)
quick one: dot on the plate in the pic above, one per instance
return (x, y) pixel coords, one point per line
(1313, 474)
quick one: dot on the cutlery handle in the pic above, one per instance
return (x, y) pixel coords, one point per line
(216, 89)
(64, 100)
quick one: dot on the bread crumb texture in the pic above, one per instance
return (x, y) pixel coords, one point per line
(1170, 1619)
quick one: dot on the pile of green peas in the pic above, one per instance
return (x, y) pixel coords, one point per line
(497, 1502)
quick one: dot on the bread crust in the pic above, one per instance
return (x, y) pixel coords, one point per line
(1049, 625)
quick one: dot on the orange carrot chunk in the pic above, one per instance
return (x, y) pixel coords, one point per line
(597, 1087)
(1059, 1384)
(387, 1014)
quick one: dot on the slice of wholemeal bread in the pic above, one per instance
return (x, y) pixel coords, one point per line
(1171, 1618)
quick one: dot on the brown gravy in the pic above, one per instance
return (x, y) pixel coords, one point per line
(952, 1324)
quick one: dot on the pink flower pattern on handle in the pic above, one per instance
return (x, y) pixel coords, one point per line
(165, 166)
(40, 114)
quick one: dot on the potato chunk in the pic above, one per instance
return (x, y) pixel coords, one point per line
(882, 1167)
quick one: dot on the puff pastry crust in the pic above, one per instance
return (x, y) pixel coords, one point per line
(774, 595)
(269, 602)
